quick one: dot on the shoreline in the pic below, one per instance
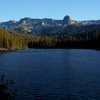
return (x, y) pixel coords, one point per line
(8, 50)
(3, 49)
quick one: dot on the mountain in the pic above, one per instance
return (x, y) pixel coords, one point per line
(50, 26)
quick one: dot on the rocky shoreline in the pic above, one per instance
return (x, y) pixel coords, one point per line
(5, 50)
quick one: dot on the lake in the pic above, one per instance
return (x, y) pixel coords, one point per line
(53, 74)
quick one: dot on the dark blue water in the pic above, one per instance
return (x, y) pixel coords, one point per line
(53, 74)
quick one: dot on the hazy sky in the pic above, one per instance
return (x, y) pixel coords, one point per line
(57, 9)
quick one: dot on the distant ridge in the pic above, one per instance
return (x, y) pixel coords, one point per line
(49, 26)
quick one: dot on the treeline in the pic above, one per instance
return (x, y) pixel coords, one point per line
(11, 41)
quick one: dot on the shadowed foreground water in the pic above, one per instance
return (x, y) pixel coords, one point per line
(53, 74)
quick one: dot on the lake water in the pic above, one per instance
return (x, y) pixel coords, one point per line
(53, 74)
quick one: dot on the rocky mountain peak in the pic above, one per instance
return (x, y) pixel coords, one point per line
(26, 19)
(12, 21)
(67, 20)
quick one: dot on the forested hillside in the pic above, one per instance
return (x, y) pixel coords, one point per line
(11, 41)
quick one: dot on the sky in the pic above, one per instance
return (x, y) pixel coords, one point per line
(55, 9)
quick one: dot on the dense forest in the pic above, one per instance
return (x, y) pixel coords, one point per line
(9, 40)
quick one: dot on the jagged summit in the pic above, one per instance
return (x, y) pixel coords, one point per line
(67, 20)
